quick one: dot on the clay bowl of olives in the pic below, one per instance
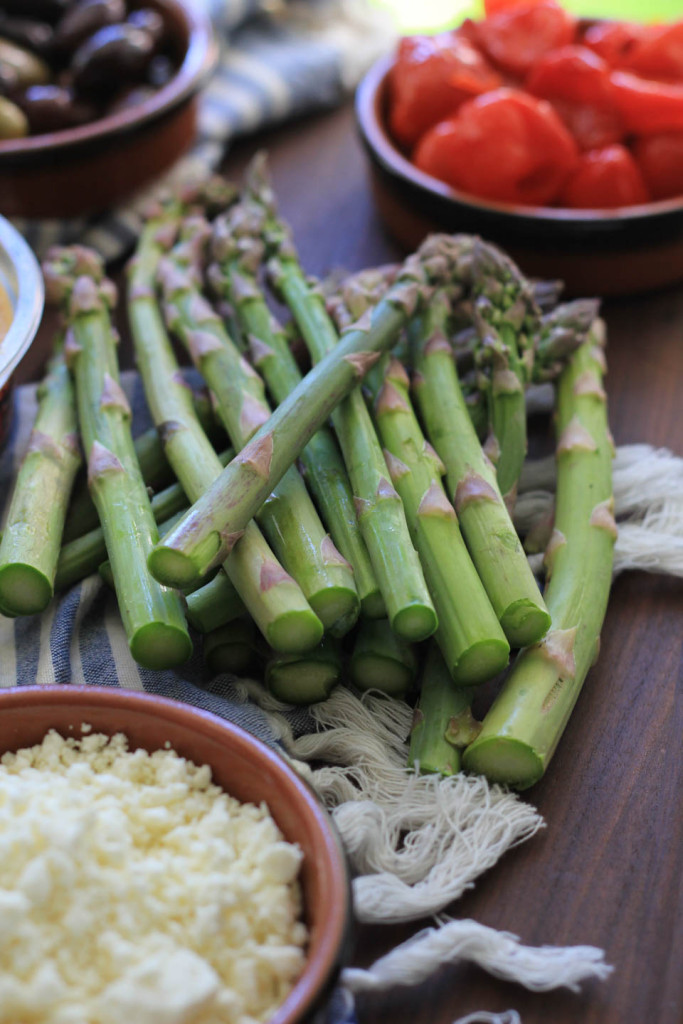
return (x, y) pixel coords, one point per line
(97, 98)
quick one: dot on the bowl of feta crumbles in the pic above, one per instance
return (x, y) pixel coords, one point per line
(161, 865)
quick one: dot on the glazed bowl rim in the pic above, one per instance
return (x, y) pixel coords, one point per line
(370, 93)
(198, 61)
(22, 265)
(333, 935)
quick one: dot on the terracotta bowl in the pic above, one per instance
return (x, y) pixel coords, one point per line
(85, 170)
(245, 768)
(607, 252)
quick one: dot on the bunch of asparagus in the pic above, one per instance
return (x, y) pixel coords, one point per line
(368, 498)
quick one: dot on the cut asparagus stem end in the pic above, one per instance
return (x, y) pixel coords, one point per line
(24, 590)
(415, 622)
(302, 683)
(525, 623)
(175, 569)
(505, 760)
(481, 662)
(337, 608)
(158, 645)
(373, 672)
(295, 632)
(372, 605)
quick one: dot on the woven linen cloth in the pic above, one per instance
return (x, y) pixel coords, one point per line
(278, 60)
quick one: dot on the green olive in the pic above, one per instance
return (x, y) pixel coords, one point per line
(13, 122)
(30, 69)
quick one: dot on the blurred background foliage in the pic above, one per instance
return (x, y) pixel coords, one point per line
(432, 15)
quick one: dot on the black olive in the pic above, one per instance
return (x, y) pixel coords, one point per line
(112, 57)
(149, 20)
(51, 108)
(35, 35)
(84, 19)
(131, 98)
(41, 10)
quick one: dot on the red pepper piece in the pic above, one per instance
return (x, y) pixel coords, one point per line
(432, 77)
(647, 108)
(504, 146)
(576, 81)
(657, 54)
(613, 40)
(516, 39)
(605, 179)
(660, 158)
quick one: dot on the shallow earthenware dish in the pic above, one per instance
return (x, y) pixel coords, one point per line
(21, 279)
(85, 170)
(609, 252)
(245, 768)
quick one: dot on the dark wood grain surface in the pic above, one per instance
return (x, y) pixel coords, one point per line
(608, 868)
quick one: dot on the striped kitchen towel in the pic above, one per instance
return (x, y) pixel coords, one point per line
(278, 60)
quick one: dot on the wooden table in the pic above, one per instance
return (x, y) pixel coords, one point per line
(607, 869)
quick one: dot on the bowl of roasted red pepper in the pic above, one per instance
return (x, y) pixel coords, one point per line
(560, 138)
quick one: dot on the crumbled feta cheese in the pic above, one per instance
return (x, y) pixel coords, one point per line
(133, 889)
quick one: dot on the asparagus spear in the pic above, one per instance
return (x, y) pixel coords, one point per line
(231, 648)
(469, 634)
(440, 705)
(506, 318)
(488, 531)
(152, 615)
(214, 604)
(288, 517)
(305, 678)
(154, 466)
(381, 660)
(33, 530)
(237, 250)
(81, 556)
(525, 723)
(381, 516)
(273, 599)
(561, 332)
(202, 536)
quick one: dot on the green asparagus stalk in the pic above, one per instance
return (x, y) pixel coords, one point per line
(202, 537)
(469, 634)
(561, 332)
(288, 518)
(231, 648)
(271, 596)
(237, 251)
(506, 318)
(104, 567)
(214, 604)
(439, 706)
(381, 660)
(152, 614)
(305, 678)
(381, 516)
(154, 466)
(525, 723)
(484, 520)
(33, 530)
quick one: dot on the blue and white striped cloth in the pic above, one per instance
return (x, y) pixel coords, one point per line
(80, 638)
(278, 60)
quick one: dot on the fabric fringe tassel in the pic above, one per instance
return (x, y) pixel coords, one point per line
(416, 843)
(648, 497)
(538, 968)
